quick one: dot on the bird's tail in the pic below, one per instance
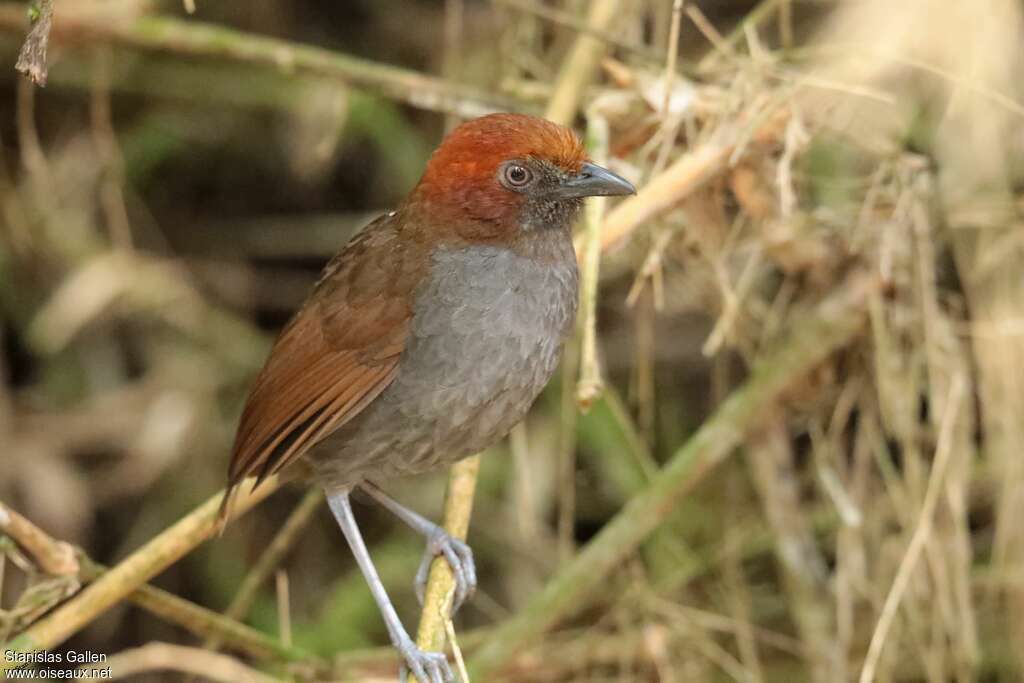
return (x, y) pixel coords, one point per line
(224, 512)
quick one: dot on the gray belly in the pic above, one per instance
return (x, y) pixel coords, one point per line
(486, 337)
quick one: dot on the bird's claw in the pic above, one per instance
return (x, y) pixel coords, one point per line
(427, 667)
(460, 559)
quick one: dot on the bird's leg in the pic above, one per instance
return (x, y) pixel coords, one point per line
(439, 542)
(428, 667)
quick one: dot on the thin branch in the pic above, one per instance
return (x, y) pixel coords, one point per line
(162, 604)
(590, 384)
(458, 507)
(166, 657)
(52, 556)
(270, 559)
(688, 174)
(836, 322)
(164, 34)
(145, 563)
(943, 452)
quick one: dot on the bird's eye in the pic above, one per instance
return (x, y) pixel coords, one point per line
(517, 176)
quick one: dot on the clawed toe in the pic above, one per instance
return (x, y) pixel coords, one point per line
(459, 557)
(427, 667)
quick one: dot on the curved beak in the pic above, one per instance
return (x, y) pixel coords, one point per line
(594, 181)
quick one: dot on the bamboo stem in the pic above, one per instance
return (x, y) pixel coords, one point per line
(458, 507)
(837, 321)
(142, 565)
(52, 556)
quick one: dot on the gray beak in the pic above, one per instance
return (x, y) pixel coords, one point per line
(595, 181)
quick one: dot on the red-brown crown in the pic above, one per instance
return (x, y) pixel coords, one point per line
(462, 175)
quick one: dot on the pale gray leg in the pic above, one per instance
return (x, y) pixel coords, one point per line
(439, 542)
(428, 667)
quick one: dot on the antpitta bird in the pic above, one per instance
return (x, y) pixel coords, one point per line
(429, 335)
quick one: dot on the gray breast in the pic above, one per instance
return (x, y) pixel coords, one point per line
(485, 338)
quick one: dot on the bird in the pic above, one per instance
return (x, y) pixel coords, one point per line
(428, 337)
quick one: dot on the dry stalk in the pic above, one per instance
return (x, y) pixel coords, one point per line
(590, 384)
(154, 657)
(52, 556)
(580, 66)
(458, 508)
(943, 453)
(685, 176)
(269, 560)
(113, 586)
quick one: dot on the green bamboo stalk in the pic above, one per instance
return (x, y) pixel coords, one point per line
(204, 622)
(138, 568)
(836, 322)
(458, 508)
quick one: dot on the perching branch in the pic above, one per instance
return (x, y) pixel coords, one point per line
(834, 324)
(458, 508)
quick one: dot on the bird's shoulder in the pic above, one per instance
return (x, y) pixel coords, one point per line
(366, 291)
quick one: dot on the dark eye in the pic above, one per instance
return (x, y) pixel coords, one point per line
(517, 176)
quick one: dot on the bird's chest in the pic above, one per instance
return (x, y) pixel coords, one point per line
(486, 335)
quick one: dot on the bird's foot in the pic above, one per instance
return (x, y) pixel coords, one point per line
(427, 667)
(460, 559)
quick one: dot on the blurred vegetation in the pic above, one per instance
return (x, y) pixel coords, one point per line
(807, 330)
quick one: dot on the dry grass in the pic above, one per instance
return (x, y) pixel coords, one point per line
(869, 529)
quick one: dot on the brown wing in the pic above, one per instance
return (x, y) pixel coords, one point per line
(337, 354)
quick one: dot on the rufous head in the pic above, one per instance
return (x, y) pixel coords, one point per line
(504, 173)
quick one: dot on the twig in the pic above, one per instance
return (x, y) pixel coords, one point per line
(175, 610)
(284, 607)
(834, 324)
(803, 569)
(52, 556)
(570, 20)
(943, 453)
(209, 624)
(673, 55)
(32, 58)
(458, 507)
(270, 559)
(590, 383)
(581, 64)
(199, 39)
(192, 660)
(142, 565)
(682, 178)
